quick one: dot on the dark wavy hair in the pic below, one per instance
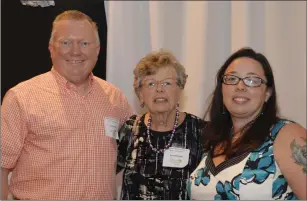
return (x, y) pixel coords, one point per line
(219, 128)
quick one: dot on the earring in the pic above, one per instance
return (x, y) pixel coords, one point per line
(177, 105)
(142, 105)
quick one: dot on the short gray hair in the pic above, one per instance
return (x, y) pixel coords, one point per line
(73, 15)
(149, 65)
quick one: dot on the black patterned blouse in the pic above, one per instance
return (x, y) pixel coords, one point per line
(144, 176)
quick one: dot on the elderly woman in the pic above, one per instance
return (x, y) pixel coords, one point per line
(159, 149)
(250, 153)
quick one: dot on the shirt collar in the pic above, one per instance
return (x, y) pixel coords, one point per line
(68, 85)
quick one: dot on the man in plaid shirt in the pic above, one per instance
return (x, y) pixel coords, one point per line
(59, 129)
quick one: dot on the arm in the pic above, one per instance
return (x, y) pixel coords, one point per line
(121, 150)
(4, 183)
(290, 151)
(202, 126)
(13, 133)
(124, 143)
(124, 149)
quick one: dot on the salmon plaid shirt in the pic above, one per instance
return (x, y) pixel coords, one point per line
(58, 144)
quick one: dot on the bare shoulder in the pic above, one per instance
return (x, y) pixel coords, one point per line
(290, 137)
(291, 132)
(290, 152)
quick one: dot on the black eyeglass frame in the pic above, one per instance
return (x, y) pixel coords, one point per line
(262, 81)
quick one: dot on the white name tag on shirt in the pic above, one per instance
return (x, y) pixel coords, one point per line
(111, 127)
(176, 157)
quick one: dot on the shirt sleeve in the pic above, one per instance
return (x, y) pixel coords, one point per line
(202, 126)
(13, 130)
(124, 143)
(127, 110)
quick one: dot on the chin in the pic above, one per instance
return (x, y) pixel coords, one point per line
(240, 113)
(159, 110)
(241, 116)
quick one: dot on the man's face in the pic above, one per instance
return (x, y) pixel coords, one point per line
(74, 50)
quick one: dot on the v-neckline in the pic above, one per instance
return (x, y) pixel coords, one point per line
(215, 170)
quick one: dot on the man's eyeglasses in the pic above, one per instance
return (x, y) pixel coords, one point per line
(248, 81)
(166, 83)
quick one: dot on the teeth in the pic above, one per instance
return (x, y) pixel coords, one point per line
(75, 62)
(160, 99)
(240, 99)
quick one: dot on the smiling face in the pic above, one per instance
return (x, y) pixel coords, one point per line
(74, 50)
(160, 92)
(240, 100)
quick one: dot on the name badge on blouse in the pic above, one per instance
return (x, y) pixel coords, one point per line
(176, 157)
(111, 127)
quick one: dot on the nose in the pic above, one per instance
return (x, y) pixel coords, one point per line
(75, 49)
(159, 87)
(241, 86)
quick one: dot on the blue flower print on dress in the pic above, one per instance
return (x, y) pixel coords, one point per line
(258, 171)
(280, 186)
(265, 148)
(290, 196)
(228, 190)
(260, 164)
(202, 177)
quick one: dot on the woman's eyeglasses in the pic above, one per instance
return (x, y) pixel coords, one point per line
(248, 81)
(166, 83)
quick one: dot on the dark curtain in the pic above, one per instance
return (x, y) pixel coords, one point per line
(25, 34)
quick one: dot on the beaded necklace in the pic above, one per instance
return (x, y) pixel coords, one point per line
(170, 140)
